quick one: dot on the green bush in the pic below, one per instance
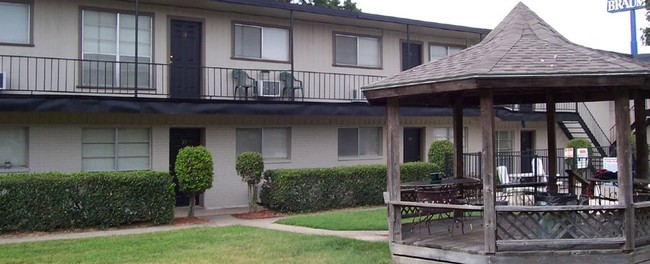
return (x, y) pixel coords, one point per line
(310, 190)
(575, 144)
(194, 171)
(250, 166)
(437, 152)
(48, 201)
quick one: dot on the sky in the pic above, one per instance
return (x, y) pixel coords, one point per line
(585, 22)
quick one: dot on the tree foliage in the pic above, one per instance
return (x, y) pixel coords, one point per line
(646, 31)
(348, 5)
(250, 166)
(194, 171)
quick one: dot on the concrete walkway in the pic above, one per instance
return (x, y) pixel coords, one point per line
(217, 218)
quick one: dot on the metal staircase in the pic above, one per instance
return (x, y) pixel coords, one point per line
(586, 126)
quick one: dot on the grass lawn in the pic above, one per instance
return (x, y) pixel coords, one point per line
(233, 244)
(346, 219)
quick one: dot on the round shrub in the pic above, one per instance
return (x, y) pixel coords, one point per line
(194, 171)
(437, 152)
(250, 166)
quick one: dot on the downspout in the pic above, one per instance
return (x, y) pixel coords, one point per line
(137, 29)
(291, 48)
(408, 46)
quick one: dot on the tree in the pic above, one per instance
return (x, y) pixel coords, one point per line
(334, 4)
(646, 31)
(194, 171)
(250, 166)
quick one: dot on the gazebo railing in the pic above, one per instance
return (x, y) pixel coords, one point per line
(559, 227)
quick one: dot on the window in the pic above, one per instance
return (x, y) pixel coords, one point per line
(261, 42)
(447, 133)
(504, 141)
(357, 51)
(360, 142)
(273, 143)
(15, 18)
(108, 46)
(13, 147)
(440, 51)
(115, 149)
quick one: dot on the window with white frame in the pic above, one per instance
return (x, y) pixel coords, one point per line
(359, 142)
(504, 141)
(357, 51)
(273, 143)
(437, 51)
(108, 49)
(115, 149)
(13, 147)
(447, 133)
(15, 18)
(258, 42)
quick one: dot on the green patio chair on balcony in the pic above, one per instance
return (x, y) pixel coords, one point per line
(291, 85)
(243, 81)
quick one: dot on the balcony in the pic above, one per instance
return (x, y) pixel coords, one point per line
(26, 75)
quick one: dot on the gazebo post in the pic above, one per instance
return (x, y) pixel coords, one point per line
(487, 127)
(551, 142)
(641, 136)
(458, 137)
(623, 149)
(392, 169)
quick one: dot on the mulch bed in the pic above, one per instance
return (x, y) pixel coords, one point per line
(258, 215)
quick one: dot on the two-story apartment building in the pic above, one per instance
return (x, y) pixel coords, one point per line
(81, 91)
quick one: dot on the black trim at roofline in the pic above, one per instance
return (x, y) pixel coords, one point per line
(356, 15)
(80, 104)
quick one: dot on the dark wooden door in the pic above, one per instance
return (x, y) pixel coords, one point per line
(179, 138)
(527, 151)
(412, 144)
(411, 55)
(185, 59)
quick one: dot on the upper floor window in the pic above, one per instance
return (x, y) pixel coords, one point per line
(437, 51)
(15, 18)
(357, 51)
(13, 147)
(359, 142)
(115, 149)
(258, 42)
(273, 143)
(108, 48)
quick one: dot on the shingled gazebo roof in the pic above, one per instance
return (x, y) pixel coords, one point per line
(521, 59)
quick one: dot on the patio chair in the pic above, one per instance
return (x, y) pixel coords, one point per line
(509, 194)
(427, 215)
(243, 81)
(291, 84)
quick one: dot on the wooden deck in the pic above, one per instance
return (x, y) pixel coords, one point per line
(471, 240)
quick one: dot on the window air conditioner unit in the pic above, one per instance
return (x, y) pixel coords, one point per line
(3, 80)
(268, 88)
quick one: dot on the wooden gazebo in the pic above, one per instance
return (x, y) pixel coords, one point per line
(525, 61)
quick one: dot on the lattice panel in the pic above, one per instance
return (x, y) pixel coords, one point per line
(409, 196)
(642, 222)
(582, 224)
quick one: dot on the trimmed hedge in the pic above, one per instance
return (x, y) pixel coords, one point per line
(48, 201)
(310, 190)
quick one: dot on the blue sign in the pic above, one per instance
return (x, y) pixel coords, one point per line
(614, 6)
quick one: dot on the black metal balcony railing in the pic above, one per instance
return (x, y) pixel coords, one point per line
(46, 76)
